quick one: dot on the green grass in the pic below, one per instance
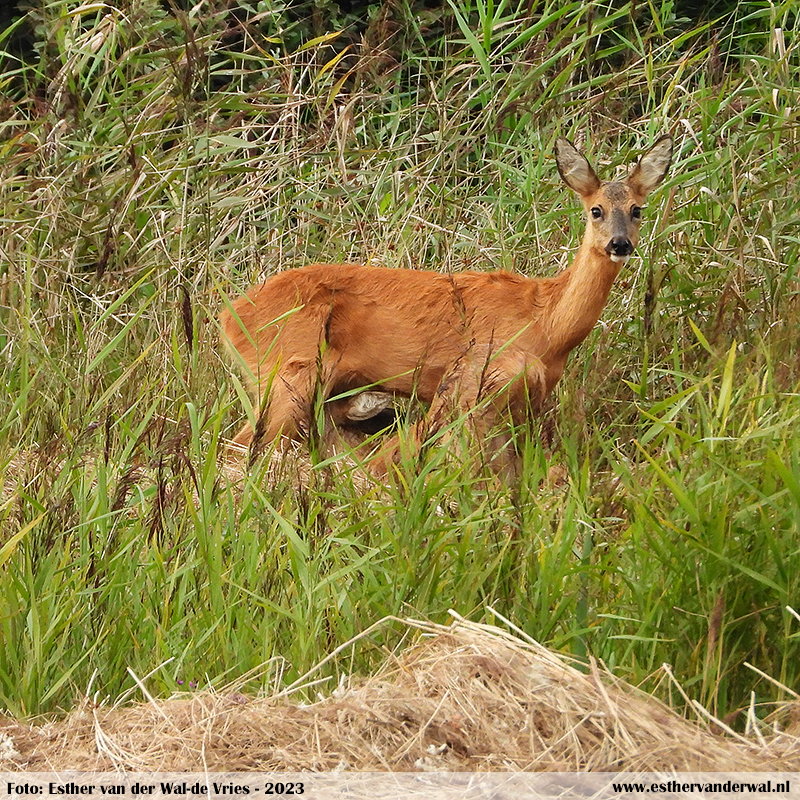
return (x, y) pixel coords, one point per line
(153, 164)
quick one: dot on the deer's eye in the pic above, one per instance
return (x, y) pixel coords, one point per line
(636, 212)
(596, 212)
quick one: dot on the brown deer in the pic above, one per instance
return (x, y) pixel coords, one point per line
(492, 342)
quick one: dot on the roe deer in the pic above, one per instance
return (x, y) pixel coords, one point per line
(451, 340)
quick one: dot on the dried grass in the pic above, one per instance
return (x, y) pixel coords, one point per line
(465, 697)
(26, 468)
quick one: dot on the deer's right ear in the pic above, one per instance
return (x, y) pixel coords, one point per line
(574, 169)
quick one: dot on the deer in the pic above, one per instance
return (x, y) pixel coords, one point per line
(490, 344)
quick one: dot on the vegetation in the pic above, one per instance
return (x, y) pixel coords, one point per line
(155, 161)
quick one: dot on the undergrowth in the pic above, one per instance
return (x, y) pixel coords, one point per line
(154, 162)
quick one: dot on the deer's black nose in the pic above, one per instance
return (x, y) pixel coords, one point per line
(619, 246)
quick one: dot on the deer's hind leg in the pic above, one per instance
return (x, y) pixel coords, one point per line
(292, 395)
(287, 404)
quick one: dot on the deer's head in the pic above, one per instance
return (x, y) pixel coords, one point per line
(613, 209)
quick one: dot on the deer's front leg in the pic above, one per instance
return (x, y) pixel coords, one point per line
(474, 389)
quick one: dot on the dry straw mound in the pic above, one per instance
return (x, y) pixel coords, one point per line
(464, 697)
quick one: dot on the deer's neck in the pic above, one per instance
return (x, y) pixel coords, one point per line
(582, 294)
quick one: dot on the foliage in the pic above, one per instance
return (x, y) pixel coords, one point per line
(155, 160)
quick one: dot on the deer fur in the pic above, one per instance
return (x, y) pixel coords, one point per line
(494, 340)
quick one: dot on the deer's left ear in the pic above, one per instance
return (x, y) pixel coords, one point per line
(652, 167)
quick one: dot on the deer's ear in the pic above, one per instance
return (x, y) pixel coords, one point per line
(574, 169)
(652, 167)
